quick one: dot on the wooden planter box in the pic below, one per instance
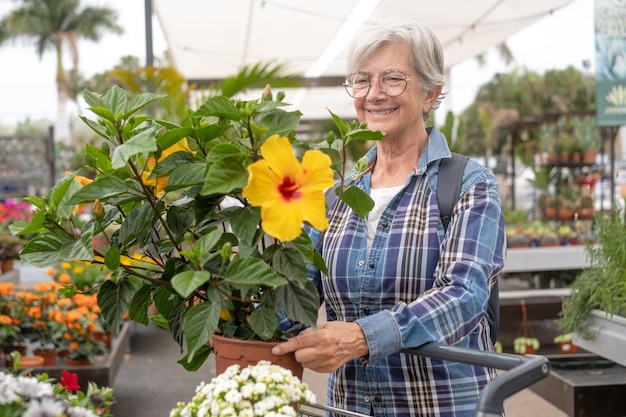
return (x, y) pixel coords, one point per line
(609, 336)
(102, 372)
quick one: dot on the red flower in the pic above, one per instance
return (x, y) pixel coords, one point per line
(69, 381)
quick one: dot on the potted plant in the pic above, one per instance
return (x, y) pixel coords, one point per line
(586, 133)
(596, 310)
(10, 247)
(203, 218)
(12, 313)
(565, 342)
(26, 394)
(525, 345)
(261, 389)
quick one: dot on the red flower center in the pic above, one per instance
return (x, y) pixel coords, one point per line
(289, 189)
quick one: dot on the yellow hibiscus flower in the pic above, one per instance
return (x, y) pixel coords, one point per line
(289, 192)
(159, 182)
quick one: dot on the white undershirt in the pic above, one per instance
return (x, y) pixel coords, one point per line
(381, 197)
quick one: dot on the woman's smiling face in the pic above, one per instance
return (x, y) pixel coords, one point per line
(396, 116)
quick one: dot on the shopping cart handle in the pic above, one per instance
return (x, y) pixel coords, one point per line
(523, 371)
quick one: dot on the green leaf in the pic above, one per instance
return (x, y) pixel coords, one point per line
(245, 223)
(61, 193)
(201, 322)
(186, 175)
(44, 250)
(96, 158)
(225, 175)
(187, 282)
(160, 321)
(280, 122)
(252, 271)
(207, 243)
(138, 310)
(96, 127)
(179, 219)
(92, 99)
(299, 303)
(165, 300)
(23, 227)
(112, 258)
(173, 136)
(142, 143)
(115, 100)
(81, 249)
(199, 357)
(289, 262)
(341, 126)
(264, 322)
(113, 300)
(365, 134)
(138, 222)
(358, 200)
(103, 187)
(218, 106)
(140, 101)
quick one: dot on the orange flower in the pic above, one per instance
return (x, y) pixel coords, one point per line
(64, 278)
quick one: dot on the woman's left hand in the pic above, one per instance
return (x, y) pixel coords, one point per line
(327, 348)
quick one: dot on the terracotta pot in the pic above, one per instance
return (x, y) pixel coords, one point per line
(230, 351)
(7, 265)
(104, 337)
(31, 361)
(50, 356)
(589, 156)
(568, 347)
(77, 362)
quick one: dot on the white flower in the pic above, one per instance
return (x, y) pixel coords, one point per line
(263, 390)
(44, 407)
(34, 396)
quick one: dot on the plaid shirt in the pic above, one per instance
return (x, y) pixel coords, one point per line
(415, 285)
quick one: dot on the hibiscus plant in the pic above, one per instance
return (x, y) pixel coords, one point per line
(203, 219)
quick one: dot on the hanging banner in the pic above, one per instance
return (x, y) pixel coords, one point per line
(610, 32)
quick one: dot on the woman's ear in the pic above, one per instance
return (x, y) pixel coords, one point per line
(431, 98)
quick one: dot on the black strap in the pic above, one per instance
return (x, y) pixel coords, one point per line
(449, 185)
(448, 193)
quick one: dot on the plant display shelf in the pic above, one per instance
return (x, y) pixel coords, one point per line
(103, 371)
(552, 258)
(584, 385)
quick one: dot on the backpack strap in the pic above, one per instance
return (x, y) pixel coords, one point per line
(448, 193)
(449, 185)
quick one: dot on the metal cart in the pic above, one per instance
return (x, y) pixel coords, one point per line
(522, 372)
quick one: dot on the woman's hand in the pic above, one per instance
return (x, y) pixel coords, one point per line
(327, 348)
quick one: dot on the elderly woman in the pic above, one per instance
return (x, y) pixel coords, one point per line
(397, 279)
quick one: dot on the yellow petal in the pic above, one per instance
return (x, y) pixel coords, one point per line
(313, 209)
(278, 153)
(262, 184)
(282, 220)
(317, 172)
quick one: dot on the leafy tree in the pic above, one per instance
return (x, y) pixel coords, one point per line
(55, 25)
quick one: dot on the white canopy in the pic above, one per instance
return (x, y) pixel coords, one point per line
(212, 39)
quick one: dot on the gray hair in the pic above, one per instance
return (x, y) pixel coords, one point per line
(424, 46)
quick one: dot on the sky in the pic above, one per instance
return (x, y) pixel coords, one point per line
(27, 87)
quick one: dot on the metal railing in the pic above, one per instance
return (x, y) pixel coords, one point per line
(522, 372)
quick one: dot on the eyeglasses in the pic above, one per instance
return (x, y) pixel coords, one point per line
(392, 83)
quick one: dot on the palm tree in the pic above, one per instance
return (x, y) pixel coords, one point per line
(55, 25)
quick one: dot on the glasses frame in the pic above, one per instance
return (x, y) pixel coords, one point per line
(348, 85)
